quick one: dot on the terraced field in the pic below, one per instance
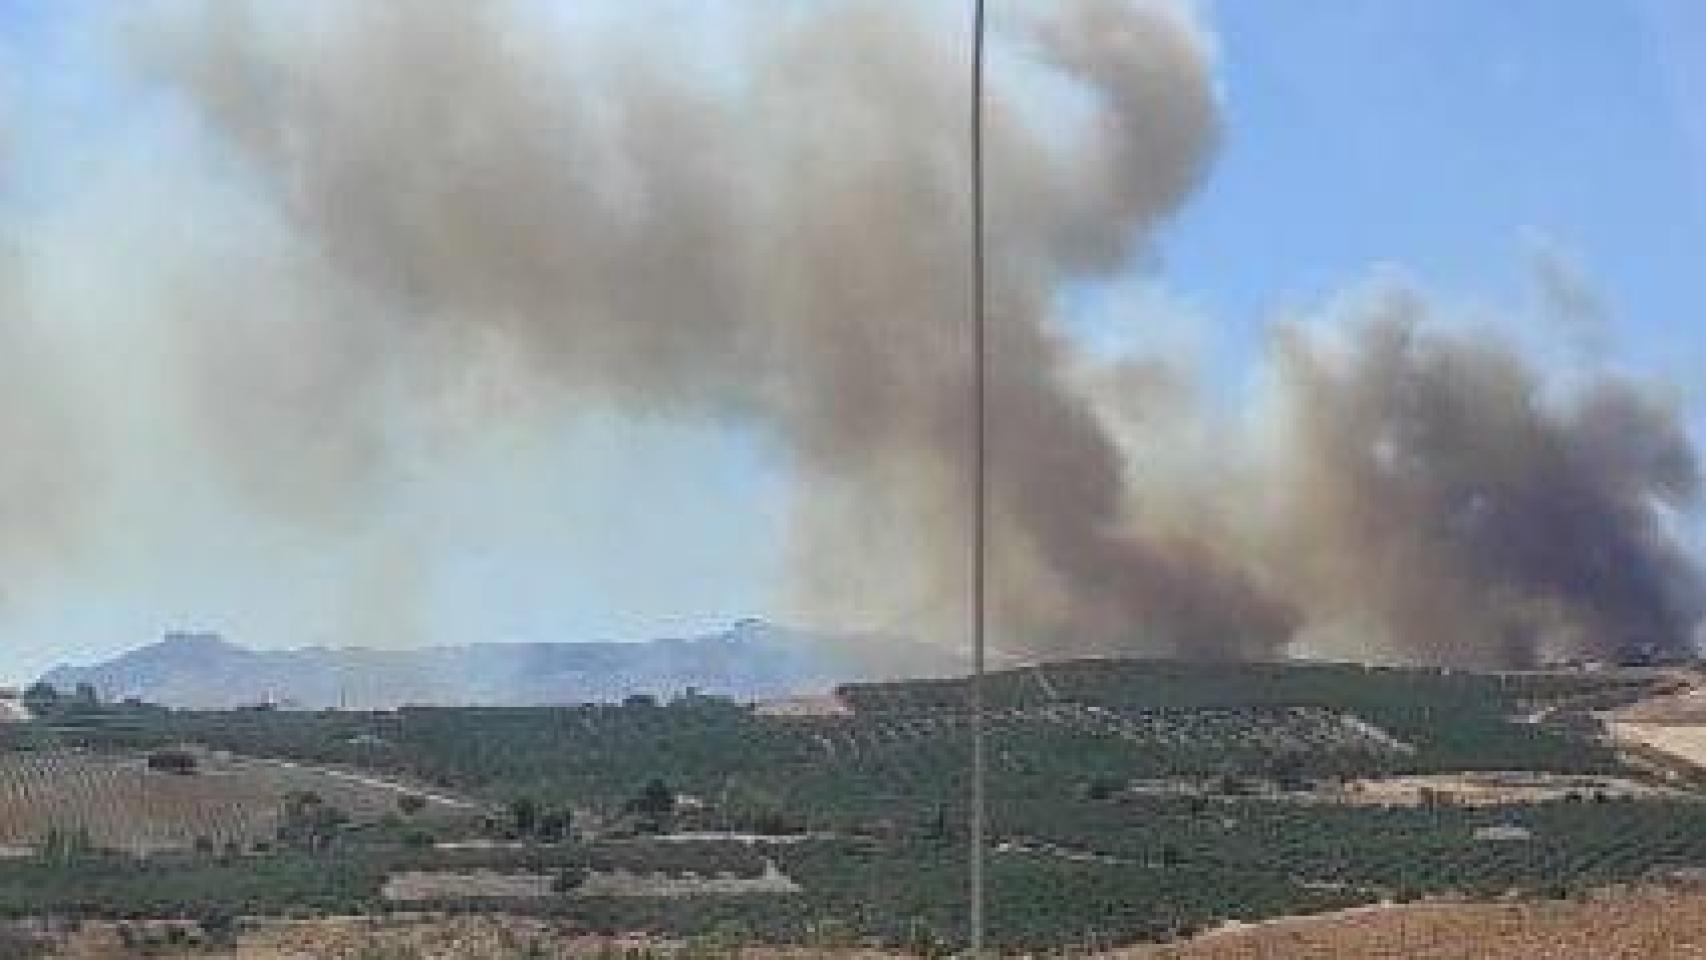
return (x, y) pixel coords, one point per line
(121, 804)
(1270, 729)
(1540, 804)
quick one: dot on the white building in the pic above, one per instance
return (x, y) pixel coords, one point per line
(12, 707)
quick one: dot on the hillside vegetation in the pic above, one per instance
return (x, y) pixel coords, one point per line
(1130, 801)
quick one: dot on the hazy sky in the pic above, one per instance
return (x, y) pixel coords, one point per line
(1454, 141)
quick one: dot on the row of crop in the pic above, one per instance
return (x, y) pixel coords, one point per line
(1164, 684)
(1160, 869)
(121, 806)
(1116, 719)
(1578, 845)
(906, 895)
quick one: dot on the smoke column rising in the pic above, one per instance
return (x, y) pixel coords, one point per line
(1441, 500)
(780, 240)
(790, 252)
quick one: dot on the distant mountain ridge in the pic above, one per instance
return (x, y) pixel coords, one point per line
(752, 659)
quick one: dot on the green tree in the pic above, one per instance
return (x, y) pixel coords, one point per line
(66, 846)
(524, 816)
(655, 799)
(556, 825)
(1287, 771)
(308, 822)
(1101, 788)
(219, 926)
(569, 879)
(41, 695)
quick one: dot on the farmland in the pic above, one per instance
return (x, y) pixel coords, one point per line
(1623, 924)
(1075, 721)
(1131, 801)
(117, 803)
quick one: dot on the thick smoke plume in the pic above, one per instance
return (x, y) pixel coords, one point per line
(1439, 500)
(792, 250)
(45, 473)
(779, 239)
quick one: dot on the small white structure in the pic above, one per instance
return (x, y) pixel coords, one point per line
(1504, 832)
(12, 708)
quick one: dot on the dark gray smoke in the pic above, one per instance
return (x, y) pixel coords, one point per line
(1442, 501)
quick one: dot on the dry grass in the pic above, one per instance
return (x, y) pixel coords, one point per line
(437, 937)
(1647, 924)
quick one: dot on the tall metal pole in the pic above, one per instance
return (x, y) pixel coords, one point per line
(980, 455)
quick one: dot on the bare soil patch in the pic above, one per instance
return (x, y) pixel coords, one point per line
(1645, 924)
(1474, 789)
(1683, 741)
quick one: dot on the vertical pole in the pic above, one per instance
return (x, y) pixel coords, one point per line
(979, 487)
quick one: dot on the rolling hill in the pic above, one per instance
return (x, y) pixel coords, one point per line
(751, 659)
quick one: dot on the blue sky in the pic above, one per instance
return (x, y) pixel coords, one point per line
(1436, 137)
(1443, 139)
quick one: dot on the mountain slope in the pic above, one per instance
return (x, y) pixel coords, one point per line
(752, 659)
